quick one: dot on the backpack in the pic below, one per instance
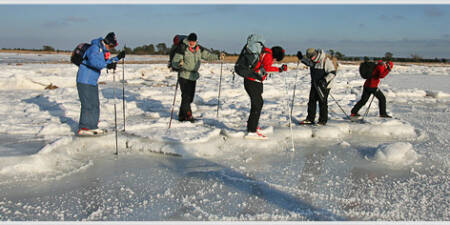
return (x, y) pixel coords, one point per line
(249, 57)
(366, 69)
(78, 53)
(177, 46)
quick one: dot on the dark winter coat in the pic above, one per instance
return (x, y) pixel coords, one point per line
(94, 61)
(322, 68)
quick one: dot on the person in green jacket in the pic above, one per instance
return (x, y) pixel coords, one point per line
(187, 61)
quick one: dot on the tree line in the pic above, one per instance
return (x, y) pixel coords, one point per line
(162, 49)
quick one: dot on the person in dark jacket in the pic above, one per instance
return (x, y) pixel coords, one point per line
(254, 88)
(371, 87)
(323, 71)
(187, 62)
(95, 59)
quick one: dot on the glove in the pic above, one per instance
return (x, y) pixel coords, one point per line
(389, 65)
(299, 55)
(121, 55)
(111, 66)
(323, 84)
(282, 68)
(181, 63)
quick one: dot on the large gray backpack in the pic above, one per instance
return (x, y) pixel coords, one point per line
(249, 57)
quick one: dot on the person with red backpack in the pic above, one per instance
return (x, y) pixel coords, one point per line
(254, 87)
(371, 87)
(94, 59)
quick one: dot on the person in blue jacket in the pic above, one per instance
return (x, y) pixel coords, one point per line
(95, 59)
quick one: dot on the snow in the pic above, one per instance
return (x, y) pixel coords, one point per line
(380, 169)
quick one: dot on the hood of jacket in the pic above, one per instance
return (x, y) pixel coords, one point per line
(98, 42)
(320, 56)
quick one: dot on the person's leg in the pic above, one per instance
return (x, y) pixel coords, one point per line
(254, 91)
(323, 108)
(191, 93)
(185, 98)
(381, 102)
(312, 104)
(364, 98)
(89, 114)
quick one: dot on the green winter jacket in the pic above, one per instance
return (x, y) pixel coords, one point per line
(191, 60)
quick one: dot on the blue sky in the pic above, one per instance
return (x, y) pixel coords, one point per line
(355, 30)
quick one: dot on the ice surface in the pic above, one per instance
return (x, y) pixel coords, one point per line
(382, 169)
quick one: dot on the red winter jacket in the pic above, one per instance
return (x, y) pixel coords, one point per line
(267, 61)
(380, 71)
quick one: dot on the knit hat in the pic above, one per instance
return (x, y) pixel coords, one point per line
(278, 53)
(110, 39)
(311, 52)
(192, 37)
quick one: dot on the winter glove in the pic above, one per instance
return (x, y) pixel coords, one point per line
(181, 63)
(323, 84)
(121, 55)
(111, 66)
(389, 65)
(299, 55)
(282, 68)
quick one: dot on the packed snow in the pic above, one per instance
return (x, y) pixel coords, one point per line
(377, 169)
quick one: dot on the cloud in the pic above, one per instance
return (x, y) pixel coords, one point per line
(391, 18)
(433, 12)
(64, 22)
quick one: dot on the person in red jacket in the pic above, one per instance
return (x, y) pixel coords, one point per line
(371, 87)
(254, 88)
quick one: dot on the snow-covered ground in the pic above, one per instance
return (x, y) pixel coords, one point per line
(385, 169)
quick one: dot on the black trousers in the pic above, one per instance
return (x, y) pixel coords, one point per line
(254, 90)
(312, 105)
(365, 97)
(187, 88)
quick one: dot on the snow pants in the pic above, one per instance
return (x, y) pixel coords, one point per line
(323, 105)
(90, 106)
(187, 88)
(254, 90)
(365, 97)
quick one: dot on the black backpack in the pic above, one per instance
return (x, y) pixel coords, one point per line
(177, 46)
(78, 52)
(366, 69)
(247, 62)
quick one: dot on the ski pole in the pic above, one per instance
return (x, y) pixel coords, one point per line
(290, 118)
(340, 106)
(123, 90)
(367, 110)
(115, 109)
(295, 86)
(220, 84)
(173, 104)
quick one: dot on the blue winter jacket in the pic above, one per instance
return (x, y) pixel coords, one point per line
(93, 62)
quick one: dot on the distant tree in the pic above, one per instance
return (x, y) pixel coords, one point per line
(331, 52)
(416, 58)
(48, 48)
(339, 55)
(388, 56)
(162, 48)
(444, 60)
(366, 59)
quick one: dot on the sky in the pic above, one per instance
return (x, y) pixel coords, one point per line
(354, 30)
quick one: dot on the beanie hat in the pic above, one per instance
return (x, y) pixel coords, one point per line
(110, 39)
(278, 53)
(311, 52)
(192, 37)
